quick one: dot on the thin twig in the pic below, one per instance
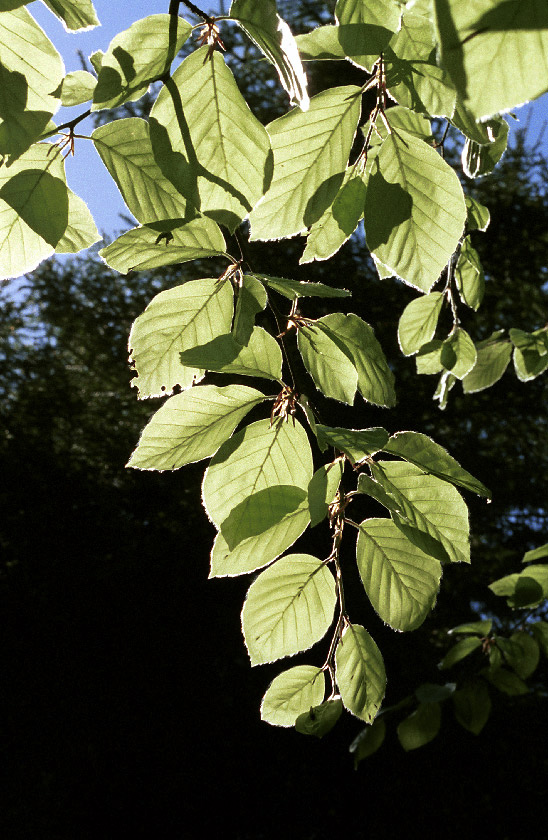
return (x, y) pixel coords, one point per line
(193, 8)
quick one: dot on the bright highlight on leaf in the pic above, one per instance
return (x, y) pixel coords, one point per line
(360, 672)
(291, 694)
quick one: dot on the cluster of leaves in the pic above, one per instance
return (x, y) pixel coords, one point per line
(203, 162)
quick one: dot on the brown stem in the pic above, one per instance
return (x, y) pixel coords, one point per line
(70, 124)
(193, 8)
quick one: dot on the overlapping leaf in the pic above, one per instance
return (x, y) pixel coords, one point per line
(420, 727)
(333, 372)
(360, 673)
(81, 231)
(298, 288)
(322, 490)
(259, 356)
(366, 27)
(339, 221)
(251, 299)
(75, 14)
(418, 322)
(469, 276)
(357, 444)
(291, 694)
(77, 87)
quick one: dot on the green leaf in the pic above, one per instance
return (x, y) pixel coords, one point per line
(319, 720)
(34, 207)
(96, 60)
(174, 320)
(413, 77)
(458, 353)
(251, 298)
(520, 652)
(400, 580)
(521, 590)
(529, 364)
(334, 374)
(126, 151)
(339, 221)
(479, 160)
(75, 14)
(368, 741)
(260, 356)
(372, 488)
(298, 288)
(436, 517)
(421, 727)
(304, 185)
(428, 359)
(76, 88)
(272, 35)
(472, 705)
(357, 340)
(432, 693)
(30, 71)
(460, 651)
(288, 608)
(507, 682)
(489, 47)
(207, 141)
(469, 276)
(137, 57)
(478, 216)
(164, 243)
(492, 361)
(464, 120)
(81, 231)
(360, 673)
(192, 425)
(418, 322)
(357, 444)
(414, 210)
(291, 694)
(321, 43)
(322, 490)
(540, 632)
(479, 628)
(365, 28)
(432, 458)
(536, 553)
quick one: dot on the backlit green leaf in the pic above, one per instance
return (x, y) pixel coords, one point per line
(360, 673)
(418, 322)
(421, 727)
(298, 288)
(322, 490)
(526, 589)
(472, 705)
(469, 276)
(321, 43)
(478, 216)
(75, 14)
(507, 682)
(261, 356)
(492, 361)
(77, 87)
(334, 374)
(251, 298)
(357, 444)
(365, 28)
(291, 694)
(81, 231)
(479, 628)
(319, 720)
(459, 651)
(536, 553)
(458, 353)
(529, 364)
(338, 222)
(520, 652)
(478, 160)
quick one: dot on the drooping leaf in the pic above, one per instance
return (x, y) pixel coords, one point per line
(319, 720)
(298, 288)
(400, 580)
(207, 141)
(435, 515)
(164, 243)
(125, 149)
(459, 651)
(472, 705)
(507, 682)
(304, 185)
(176, 319)
(75, 14)
(492, 361)
(357, 444)
(81, 231)
(469, 276)
(478, 216)
(34, 208)
(76, 88)
(272, 35)
(420, 727)
(365, 28)
(432, 458)
(339, 221)
(418, 322)
(478, 160)
(489, 47)
(192, 426)
(334, 374)
(137, 57)
(31, 70)
(520, 652)
(414, 210)
(479, 628)
(368, 741)
(260, 356)
(291, 694)
(322, 490)
(458, 353)
(251, 298)
(360, 673)
(288, 608)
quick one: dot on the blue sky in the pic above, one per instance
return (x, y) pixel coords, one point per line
(86, 174)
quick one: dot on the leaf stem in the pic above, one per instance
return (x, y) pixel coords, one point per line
(192, 7)
(70, 125)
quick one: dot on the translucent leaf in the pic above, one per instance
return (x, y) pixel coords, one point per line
(472, 705)
(460, 651)
(125, 149)
(458, 353)
(526, 589)
(432, 458)
(520, 652)
(338, 222)
(357, 444)
(174, 320)
(272, 35)
(137, 57)
(34, 206)
(400, 580)
(492, 361)
(291, 694)
(478, 160)
(414, 210)
(304, 185)
(96, 60)
(261, 356)
(507, 682)
(478, 216)
(428, 359)
(323, 489)
(81, 231)
(77, 87)
(412, 122)
(288, 608)
(469, 276)
(365, 28)
(413, 77)
(368, 741)
(360, 673)
(298, 288)
(536, 553)
(436, 517)
(529, 364)
(421, 727)
(357, 340)
(464, 120)
(31, 70)
(321, 43)
(75, 14)
(251, 298)
(334, 374)
(192, 426)
(319, 720)
(489, 47)
(164, 243)
(418, 322)
(207, 141)
(480, 628)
